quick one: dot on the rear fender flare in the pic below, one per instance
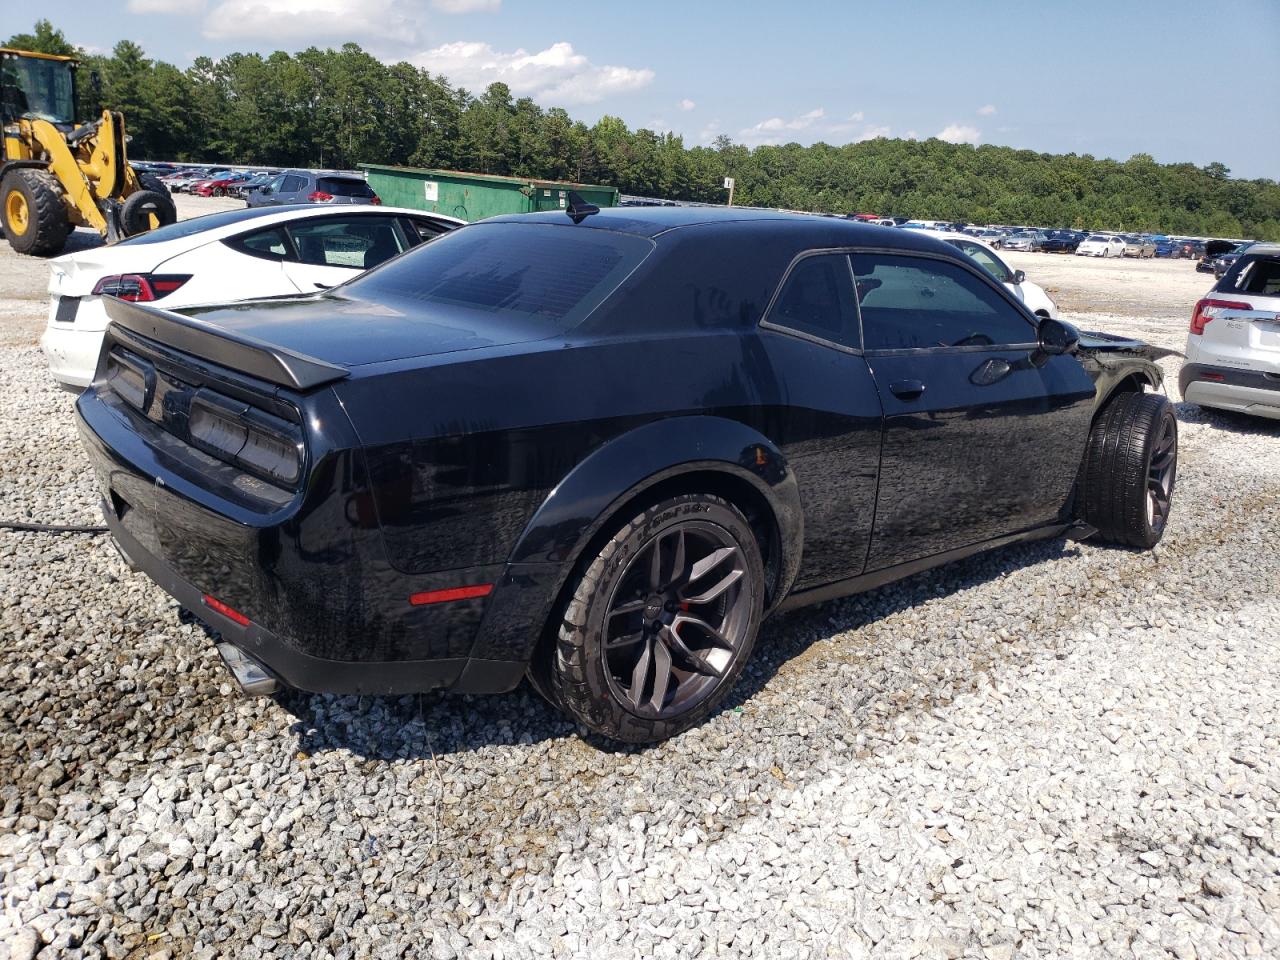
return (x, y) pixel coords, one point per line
(591, 494)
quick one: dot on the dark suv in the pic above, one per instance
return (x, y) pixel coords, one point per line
(307, 186)
(600, 448)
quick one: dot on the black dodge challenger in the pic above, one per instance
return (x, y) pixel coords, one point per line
(598, 449)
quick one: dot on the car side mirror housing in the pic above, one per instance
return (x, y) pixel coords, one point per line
(1056, 337)
(1019, 276)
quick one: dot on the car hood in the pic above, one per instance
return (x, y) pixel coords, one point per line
(351, 333)
(1096, 343)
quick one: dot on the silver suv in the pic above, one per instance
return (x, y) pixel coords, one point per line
(307, 186)
(1233, 349)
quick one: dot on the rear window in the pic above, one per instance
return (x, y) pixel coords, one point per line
(552, 275)
(189, 228)
(344, 187)
(1257, 275)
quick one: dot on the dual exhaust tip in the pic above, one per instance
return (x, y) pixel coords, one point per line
(254, 679)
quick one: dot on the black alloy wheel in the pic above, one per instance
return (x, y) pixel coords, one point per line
(677, 619)
(1160, 474)
(660, 623)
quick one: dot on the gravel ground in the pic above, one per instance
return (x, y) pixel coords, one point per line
(1058, 750)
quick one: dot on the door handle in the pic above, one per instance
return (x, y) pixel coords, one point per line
(906, 389)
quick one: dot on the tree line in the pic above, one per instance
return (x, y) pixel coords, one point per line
(338, 108)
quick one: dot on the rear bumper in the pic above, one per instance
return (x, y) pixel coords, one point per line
(1242, 391)
(72, 354)
(325, 613)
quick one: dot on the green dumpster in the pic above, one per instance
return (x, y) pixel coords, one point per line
(474, 196)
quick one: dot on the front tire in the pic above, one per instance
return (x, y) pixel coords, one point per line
(34, 217)
(1130, 467)
(661, 621)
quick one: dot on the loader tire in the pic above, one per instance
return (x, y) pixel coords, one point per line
(152, 182)
(140, 206)
(31, 209)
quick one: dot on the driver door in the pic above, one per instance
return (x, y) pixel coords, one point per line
(983, 436)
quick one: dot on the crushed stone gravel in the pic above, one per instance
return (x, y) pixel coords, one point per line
(1056, 750)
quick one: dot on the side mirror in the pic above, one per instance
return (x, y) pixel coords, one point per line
(1057, 337)
(1019, 276)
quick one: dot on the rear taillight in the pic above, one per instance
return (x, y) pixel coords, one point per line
(377, 200)
(140, 287)
(1208, 308)
(319, 196)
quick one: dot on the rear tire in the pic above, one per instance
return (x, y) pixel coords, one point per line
(1129, 470)
(661, 621)
(31, 209)
(153, 183)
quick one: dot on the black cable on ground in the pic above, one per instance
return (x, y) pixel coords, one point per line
(48, 527)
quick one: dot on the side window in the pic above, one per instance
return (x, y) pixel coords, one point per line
(817, 299)
(269, 244)
(276, 184)
(358, 242)
(911, 303)
(984, 258)
(292, 184)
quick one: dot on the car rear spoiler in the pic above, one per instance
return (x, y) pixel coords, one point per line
(224, 347)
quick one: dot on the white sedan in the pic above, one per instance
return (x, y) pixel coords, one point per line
(1031, 294)
(222, 257)
(1099, 245)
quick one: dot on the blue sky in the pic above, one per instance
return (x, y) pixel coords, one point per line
(1174, 79)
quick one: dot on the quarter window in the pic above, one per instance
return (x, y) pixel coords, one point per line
(269, 244)
(817, 299)
(915, 303)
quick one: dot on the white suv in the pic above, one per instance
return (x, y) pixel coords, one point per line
(1233, 349)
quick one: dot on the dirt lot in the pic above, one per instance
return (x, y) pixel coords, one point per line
(1055, 750)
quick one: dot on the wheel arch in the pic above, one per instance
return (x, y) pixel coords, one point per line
(663, 458)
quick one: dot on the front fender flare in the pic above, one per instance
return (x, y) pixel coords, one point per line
(591, 493)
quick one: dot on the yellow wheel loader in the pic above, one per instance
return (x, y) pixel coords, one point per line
(56, 174)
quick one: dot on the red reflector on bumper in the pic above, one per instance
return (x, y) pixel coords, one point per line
(213, 603)
(1216, 377)
(453, 593)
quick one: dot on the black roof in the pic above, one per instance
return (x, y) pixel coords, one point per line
(655, 221)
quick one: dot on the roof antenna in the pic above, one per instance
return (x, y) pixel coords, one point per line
(578, 209)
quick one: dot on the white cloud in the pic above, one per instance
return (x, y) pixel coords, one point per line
(686, 104)
(709, 132)
(987, 111)
(847, 125)
(466, 6)
(165, 6)
(324, 20)
(769, 131)
(557, 74)
(959, 133)
(872, 132)
(911, 135)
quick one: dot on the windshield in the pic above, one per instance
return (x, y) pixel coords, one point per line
(40, 87)
(1097, 239)
(344, 187)
(549, 277)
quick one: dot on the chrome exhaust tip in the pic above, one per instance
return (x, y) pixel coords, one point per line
(252, 676)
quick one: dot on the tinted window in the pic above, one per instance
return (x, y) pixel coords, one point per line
(292, 184)
(817, 299)
(344, 187)
(428, 229)
(356, 242)
(550, 274)
(1258, 275)
(271, 244)
(914, 302)
(985, 259)
(188, 228)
